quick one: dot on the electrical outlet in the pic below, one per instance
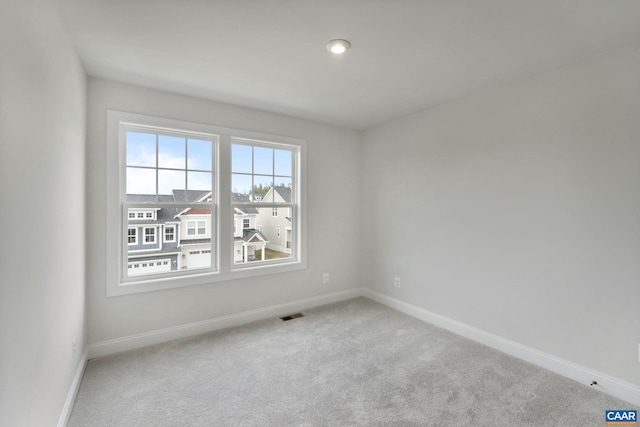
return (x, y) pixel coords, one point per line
(74, 347)
(396, 282)
(325, 278)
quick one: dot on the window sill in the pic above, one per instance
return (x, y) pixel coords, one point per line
(243, 272)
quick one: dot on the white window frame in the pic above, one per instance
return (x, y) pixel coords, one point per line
(296, 204)
(154, 234)
(135, 236)
(166, 227)
(221, 218)
(196, 227)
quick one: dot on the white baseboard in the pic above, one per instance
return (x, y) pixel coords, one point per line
(73, 391)
(133, 342)
(606, 384)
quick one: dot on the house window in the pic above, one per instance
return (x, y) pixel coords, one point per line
(246, 223)
(274, 212)
(278, 234)
(196, 228)
(162, 170)
(169, 233)
(132, 236)
(149, 235)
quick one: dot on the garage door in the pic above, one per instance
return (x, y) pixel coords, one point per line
(199, 259)
(148, 267)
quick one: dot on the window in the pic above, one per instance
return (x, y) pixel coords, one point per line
(169, 233)
(166, 174)
(267, 170)
(196, 228)
(132, 236)
(149, 235)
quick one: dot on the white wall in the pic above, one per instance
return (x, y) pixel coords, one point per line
(42, 157)
(334, 172)
(525, 207)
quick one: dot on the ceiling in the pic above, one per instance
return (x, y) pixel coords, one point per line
(406, 56)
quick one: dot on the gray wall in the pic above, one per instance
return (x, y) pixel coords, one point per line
(42, 175)
(524, 202)
(333, 167)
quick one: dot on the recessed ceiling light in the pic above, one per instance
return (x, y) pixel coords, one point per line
(338, 46)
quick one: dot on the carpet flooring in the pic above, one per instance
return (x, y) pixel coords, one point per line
(353, 363)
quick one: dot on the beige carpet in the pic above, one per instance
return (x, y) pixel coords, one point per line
(351, 363)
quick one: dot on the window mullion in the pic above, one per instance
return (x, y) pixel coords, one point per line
(157, 166)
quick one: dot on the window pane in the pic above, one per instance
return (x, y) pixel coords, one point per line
(263, 242)
(241, 184)
(241, 158)
(169, 180)
(199, 180)
(141, 149)
(141, 181)
(199, 155)
(282, 191)
(262, 185)
(283, 160)
(263, 160)
(151, 254)
(171, 152)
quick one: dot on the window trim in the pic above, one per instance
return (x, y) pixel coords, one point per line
(135, 236)
(222, 215)
(153, 234)
(164, 237)
(196, 227)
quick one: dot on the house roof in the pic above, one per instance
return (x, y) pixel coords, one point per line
(190, 195)
(284, 192)
(242, 198)
(249, 233)
(154, 252)
(281, 190)
(194, 241)
(168, 214)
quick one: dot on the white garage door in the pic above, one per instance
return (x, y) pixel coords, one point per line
(148, 267)
(199, 259)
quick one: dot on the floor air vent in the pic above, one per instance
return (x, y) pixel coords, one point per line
(292, 316)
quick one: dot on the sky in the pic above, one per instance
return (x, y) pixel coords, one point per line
(187, 163)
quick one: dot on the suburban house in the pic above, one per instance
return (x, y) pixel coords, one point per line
(165, 239)
(275, 223)
(248, 240)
